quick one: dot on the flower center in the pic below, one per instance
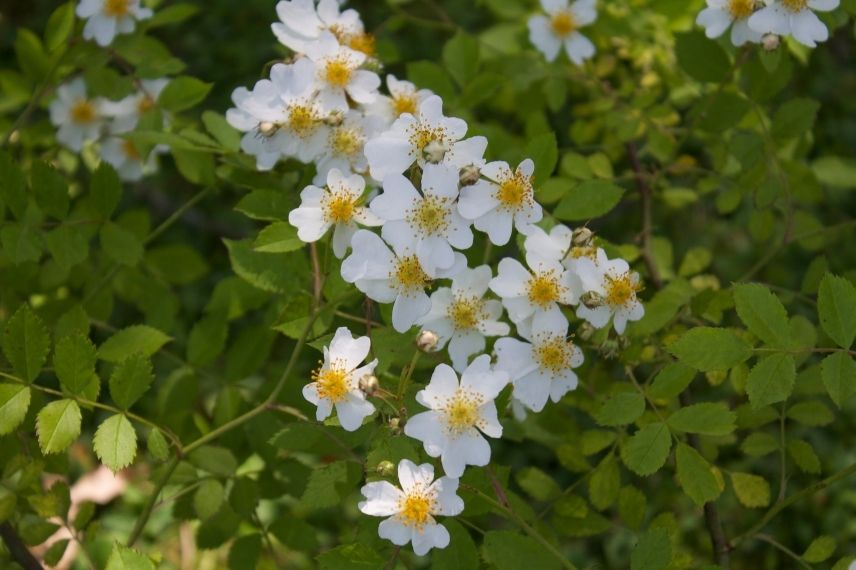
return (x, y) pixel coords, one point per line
(544, 289)
(416, 509)
(554, 354)
(337, 72)
(404, 103)
(145, 104)
(741, 9)
(345, 141)
(584, 251)
(563, 24)
(431, 215)
(795, 5)
(620, 290)
(422, 136)
(83, 112)
(302, 119)
(462, 411)
(130, 150)
(117, 8)
(339, 208)
(514, 191)
(409, 274)
(362, 42)
(332, 382)
(465, 312)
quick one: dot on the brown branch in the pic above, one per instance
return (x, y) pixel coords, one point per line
(19, 551)
(645, 194)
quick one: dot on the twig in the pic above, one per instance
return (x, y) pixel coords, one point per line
(391, 564)
(150, 504)
(770, 540)
(19, 551)
(497, 488)
(645, 194)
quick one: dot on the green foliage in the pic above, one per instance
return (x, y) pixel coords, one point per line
(115, 442)
(26, 343)
(771, 380)
(58, 425)
(646, 452)
(836, 305)
(707, 349)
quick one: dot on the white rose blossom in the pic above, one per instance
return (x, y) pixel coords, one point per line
(79, 117)
(126, 112)
(459, 413)
(794, 17)
(302, 23)
(411, 509)
(461, 317)
(560, 28)
(336, 205)
(105, 19)
(336, 382)
(612, 287)
(720, 14)
(403, 98)
(394, 276)
(339, 75)
(344, 146)
(123, 155)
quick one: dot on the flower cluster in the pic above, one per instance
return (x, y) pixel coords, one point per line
(766, 21)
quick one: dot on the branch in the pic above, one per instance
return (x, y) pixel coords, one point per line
(645, 194)
(19, 551)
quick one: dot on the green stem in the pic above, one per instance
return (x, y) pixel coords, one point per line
(407, 373)
(775, 543)
(150, 504)
(34, 101)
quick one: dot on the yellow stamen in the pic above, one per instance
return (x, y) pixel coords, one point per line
(544, 289)
(514, 191)
(409, 275)
(337, 72)
(586, 251)
(345, 141)
(130, 150)
(620, 290)
(145, 104)
(466, 312)
(553, 354)
(364, 43)
(462, 411)
(117, 8)
(421, 136)
(83, 112)
(339, 208)
(795, 5)
(563, 23)
(416, 510)
(302, 119)
(333, 382)
(431, 215)
(404, 103)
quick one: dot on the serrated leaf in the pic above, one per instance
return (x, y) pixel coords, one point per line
(157, 444)
(695, 475)
(322, 490)
(705, 418)
(58, 29)
(105, 191)
(461, 554)
(508, 550)
(208, 498)
(26, 343)
(671, 381)
(138, 339)
(752, 491)
(183, 93)
(350, 557)
(771, 380)
(244, 552)
(130, 380)
(708, 348)
(74, 363)
(279, 237)
(653, 551)
(604, 483)
(14, 403)
(763, 314)
(587, 200)
(124, 558)
(631, 506)
(794, 117)
(700, 57)
(836, 306)
(646, 452)
(115, 442)
(266, 271)
(58, 425)
(759, 444)
(50, 190)
(811, 413)
(838, 372)
(622, 409)
(804, 456)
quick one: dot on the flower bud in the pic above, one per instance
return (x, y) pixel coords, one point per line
(335, 118)
(427, 341)
(385, 468)
(267, 128)
(771, 42)
(582, 237)
(470, 175)
(434, 151)
(585, 331)
(369, 384)
(591, 299)
(394, 425)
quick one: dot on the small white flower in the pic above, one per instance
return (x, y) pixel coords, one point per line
(339, 75)
(336, 205)
(344, 146)
(336, 382)
(459, 413)
(412, 508)
(720, 14)
(504, 199)
(612, 287)
(78, 117)
(302, 23)
(428, 137)
(560, 27)
(124, 156)
(126, 112)
(393, 276)
(543, 368)
(403, 98)
(794, 17)
(462, 317)
(553, 247)
(431, 218)
(109, 18)
(525, 294)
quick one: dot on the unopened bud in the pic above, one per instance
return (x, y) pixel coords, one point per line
(385, 468)
(427, 341)
(369, 384)
(267, 128)
(771, 42)
(470, 175)
(591, 299)
(585, 331)
(335, 118)
(582, 237)
(434, 151)
(394, 424)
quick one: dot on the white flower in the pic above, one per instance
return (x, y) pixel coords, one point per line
(462, 317)
(109, 18)
(393, 276)
(428, 137)
(403, 97)
(560, 27)
(720, 14)
(553, 246)
(336, 382)
(339, 75)
(525, 294)
(336, 205)
(412, 508)
(502, 201)
(302, 23)
(430, 219)
(611, 288)
(458, 415)
(794, 17)
(543, 368)
(126, 158)
(344, 146)
(126, 112)
(78, 117)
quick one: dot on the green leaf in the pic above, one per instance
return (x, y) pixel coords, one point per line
(328, 485)
(646, 452)
(74, 363)
(266, 205)
(836, 305)
(763, 313)
(123, 558)
(183, 93)
(707, 349)
(605, 483)
(220, 129)
(771, 380)
(351, 557)
(701, 58)
(671, 381)
(631, 506)
(58, 425)
(105, 191)
(622, 409)
(537, 484)
(835, 171)
(461, 57)
(21, 243)
(811, 413)
(266, 271)
(820, 549)
(14, 403)
(508, 550)
(696, 476)
(461, 554)
(215, 460)
(279, 237)
(752, 491)
(589, 199)
(207, 339)
(543, 150)
(794, 118)
(26, 343)
(759, 444)
(706, 419)
(67, 245)
(120, 244)
(430, 75)
(176, 263)
(208, 498)
(653, 551)
(157, 445)
(49, 189)
(804, 456)
(115, 442)
(130, 380)
(56, 551)
(838, 372)
(137, 339)
(58, 29)
(32, 58)
(13, 191)
(245, 551)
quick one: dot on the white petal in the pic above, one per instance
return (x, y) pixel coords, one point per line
(353, 411)
(382, 499)
(467, 449)
(497, 224)
(477, 200)
(597, 317)
(432, 536)
(408, 309)
(449, 504)
(411, 475)
(394, 531)
(714, 21)
(511, 279)
(543, 38)
(427, 427)
(823, 5)
(579, 48)
(464, 345)
(807, 28)
(490, 425)
(533, 390)
(398, 197)
(771, 19)
(352, 351)
(443, 385)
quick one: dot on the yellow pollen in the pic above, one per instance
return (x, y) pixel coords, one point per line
(554, 354)
(130, 150)
(339, 208)
(563, 23)
(578, 252)
(345, 141)
(431, 215)
(302, 119)
(364, 43)
(514, 191)
(462, 412)
(117, 8)
(422, 137)
(620, 290)
(332, 383)
(145, 104)
(409, 274)
(741, 9)
(337, 72)
(795, 5)
(416, 510)
(466, 313)
(404, 103)
(544, 288)
(83, 112)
